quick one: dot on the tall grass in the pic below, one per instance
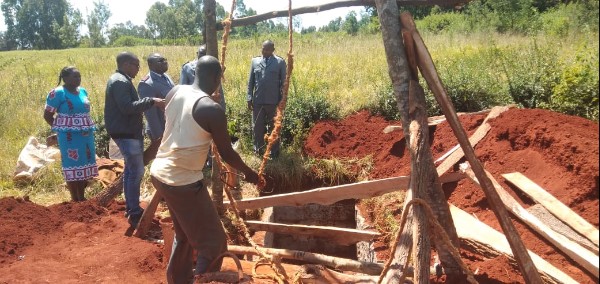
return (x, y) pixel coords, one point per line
(334, 75)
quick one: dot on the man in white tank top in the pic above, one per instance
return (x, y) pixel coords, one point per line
(193, 121)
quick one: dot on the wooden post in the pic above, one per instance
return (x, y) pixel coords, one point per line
(427, 68)
(400, 76)
(424, 181)
(212, 48)
(210, 27)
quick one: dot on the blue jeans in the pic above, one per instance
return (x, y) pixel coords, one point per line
(133, 154)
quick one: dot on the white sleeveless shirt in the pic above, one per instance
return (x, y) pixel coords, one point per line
(184, 146)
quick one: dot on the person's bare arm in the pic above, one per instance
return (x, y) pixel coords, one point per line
(49, 117)
(211, 117)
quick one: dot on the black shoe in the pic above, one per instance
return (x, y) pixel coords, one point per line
(134, 219)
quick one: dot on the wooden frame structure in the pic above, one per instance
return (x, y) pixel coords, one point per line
(406, 55)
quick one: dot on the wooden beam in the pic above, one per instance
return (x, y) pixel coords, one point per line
(470, 229)
(455, 154)
(588, 260)
(557, 208)
(343, 236)
(343, 264)
(432, 121)
(250, 20)
(429, 72)
(330, 195)
(146, 220)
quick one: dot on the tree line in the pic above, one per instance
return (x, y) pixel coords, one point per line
(55, 24)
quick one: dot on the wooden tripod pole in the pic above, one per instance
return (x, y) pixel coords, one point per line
(429, 72)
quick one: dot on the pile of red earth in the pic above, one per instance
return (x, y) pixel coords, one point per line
(72, 243)
(558, 152)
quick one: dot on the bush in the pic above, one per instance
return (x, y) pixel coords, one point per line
(469, 79)
(531, 73)
(445, 22)
(577, 90)
(385, 104)
(131, 41)
(302, 111)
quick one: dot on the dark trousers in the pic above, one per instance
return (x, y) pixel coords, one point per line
(197, 227)
(263, 118)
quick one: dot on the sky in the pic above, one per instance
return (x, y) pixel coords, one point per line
(135, 10)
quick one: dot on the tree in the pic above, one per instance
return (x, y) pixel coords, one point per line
(128, 29)
(176, 20)
(350, 24)
(40, 24)
(98, 24)
(333, 26)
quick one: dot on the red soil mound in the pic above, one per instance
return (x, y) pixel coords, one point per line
(559, 152)
(72, 243)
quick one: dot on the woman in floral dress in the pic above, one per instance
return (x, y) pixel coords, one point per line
(68, 113)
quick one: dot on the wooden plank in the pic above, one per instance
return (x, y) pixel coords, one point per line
(456, 153)
(558, 226)
(433, 120)
(330, 195)
(471, 229)
(557, 208)
(146, 219)
(587, 259)
(429, 72)
(343, 236)
(339, 263)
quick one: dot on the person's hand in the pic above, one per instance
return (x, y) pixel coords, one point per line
(160, 103)
(250, 105)
(251, 177)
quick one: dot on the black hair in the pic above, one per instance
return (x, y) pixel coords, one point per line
(66, 71)
(207, 69)
(125, 57)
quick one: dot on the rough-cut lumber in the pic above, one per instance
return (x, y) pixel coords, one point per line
(330, 195)
(429, 72)
(147, 216)
(557, 208)
(433, 120)
(455, 154)
(333, 5)
(472, 230)
(315, 258)
(115, 188)
(343, 236)
(558, 226)
(587, 259)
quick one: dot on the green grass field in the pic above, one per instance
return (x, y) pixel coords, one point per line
(349, 72)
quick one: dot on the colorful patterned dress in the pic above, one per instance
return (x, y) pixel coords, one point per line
(75, 129)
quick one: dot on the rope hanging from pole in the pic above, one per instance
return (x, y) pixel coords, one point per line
(281, 107)
(227, 176)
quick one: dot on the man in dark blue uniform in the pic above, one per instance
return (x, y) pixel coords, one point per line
(267, 75)
(156, 84)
